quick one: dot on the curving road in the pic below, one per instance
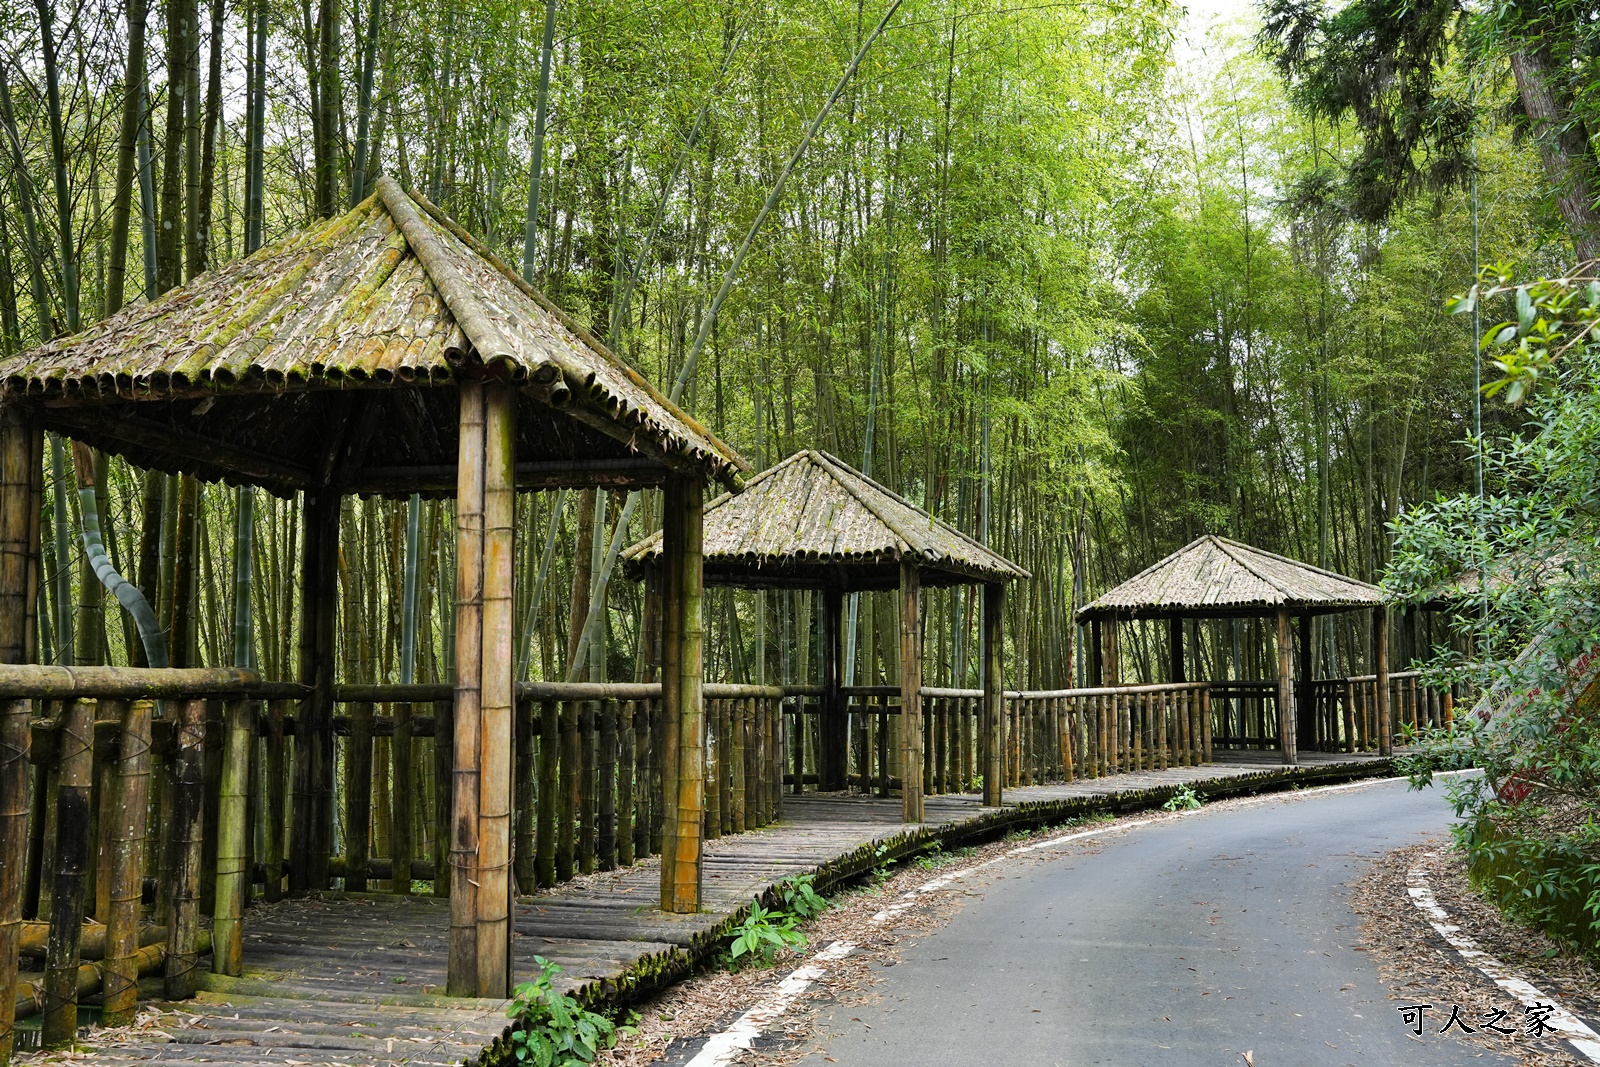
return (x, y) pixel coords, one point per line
(1183, 943)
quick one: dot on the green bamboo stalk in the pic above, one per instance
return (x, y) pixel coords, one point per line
(530, 230)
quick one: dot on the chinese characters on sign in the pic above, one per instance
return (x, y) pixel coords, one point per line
(1535, 1021)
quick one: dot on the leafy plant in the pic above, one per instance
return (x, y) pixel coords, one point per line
(800, 897)
(762, 933)
(1184, 798)
(881, 869)
(552, 1028)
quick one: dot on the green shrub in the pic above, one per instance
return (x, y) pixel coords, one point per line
(762, 933)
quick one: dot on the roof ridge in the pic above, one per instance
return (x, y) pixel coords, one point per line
(885, 490)
(833, 467)
(1228, 541)
(487, 338)
(1148, 570)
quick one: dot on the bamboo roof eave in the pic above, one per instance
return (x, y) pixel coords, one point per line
(393, 298)
(1214, 577)
(811, 521)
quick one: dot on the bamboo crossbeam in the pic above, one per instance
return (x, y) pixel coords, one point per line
(52, 682)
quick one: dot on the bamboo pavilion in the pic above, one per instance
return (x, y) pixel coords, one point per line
(1213, 577)
(386, 351)
(813, 522)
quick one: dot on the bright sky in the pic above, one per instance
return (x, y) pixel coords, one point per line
(1203, 13)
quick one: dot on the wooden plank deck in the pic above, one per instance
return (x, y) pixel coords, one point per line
(343, 979)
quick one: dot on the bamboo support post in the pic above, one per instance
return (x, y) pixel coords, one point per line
(15, 740)
(1380, 656)
(400, 813)
(1286, 708)
(274, 771)
(741, 723)
(233, 860)
(186, 834)
(831, 754)
(357, 799)
(549, 793)
(627, 756)
(993, 694)
(571, 792)
(121, 981)
(645, 799)
(465, 876)
(311, 839)
(526, 788)
(713, 771)
(911, 764)
(588, 775)
(608, 785)
(683, 708)
(444, 732)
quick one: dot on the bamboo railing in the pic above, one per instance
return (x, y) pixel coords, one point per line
(1344, 714)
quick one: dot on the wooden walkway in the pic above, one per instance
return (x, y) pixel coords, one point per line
(359, 979)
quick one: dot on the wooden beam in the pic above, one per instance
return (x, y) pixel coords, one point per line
(993, 694)
(462, 980)
(74, 781)
(233, 855)
(1109, 653)
(630, 473)
(1380, 657)
(911, 787)
(186, 836)
(1305, 726)
(496, 696)
(127, 870)
(107, 431)
(1285, 689)
(683, 699)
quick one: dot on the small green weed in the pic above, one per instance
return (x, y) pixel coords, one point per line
(763, 932)
(881, 870)
(933, 857)
(800, 897)
(1184, 799)
(553, 1029)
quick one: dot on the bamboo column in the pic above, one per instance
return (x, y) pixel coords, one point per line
(683, 704)
(910, 692)
(121, 981)
(627, 756)
(993, 694)
(465, 877)
(1380, 657)
(497, 707)
(275, 772)
(739, 798)
(311, 837)
(1286, 713)
(1305, 696)
(608, 785)
(1177, 671)
(549, 788)
(185, 842)
(75, 758)
(357, 799)
(233, 859)
(400, 752)
(832, 764)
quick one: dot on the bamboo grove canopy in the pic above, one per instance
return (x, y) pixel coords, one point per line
(1213, 577)
(814, 522)
(386, 352)
(256, 372)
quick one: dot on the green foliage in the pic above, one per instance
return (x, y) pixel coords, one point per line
(762, 934)
(1523, 568)
(800, 897)
(1184, 798)
(552, 1028)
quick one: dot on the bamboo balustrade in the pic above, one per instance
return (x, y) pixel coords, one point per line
(1344, 711)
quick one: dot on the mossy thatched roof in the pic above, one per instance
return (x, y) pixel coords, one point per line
(813, 521)
(1214, 577)
(331, 356)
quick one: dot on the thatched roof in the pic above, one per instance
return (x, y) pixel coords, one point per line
(1213, 576)
(813, 521)
(334, 352)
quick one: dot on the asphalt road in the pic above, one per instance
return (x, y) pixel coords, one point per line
(1184, 943)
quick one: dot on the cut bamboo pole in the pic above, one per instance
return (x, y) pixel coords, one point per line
(608, 785)
(1286, 709)
(571, 792)
(15, 739)
(465, 876)
(444, 732)
(549, 788)
(627, 757)
(682, 697)
(1205, 724)
(233, 860)
(74, 781)
(127, 869)
(1380, 658)
(588, 775)
(276, 766)
(527, 777)
(993, 694)
(497, 664)
(400, 851)
(740, 724)
(911, 768)
(357, 800)
(311, 839)
(187, 833)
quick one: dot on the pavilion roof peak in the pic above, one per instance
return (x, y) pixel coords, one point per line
(1217, 576)
(393, 295)
(812, 519)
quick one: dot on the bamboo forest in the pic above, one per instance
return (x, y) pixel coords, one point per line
(452, 451)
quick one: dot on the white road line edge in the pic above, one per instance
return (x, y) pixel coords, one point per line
(1568, 1025)
(720, 1048)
